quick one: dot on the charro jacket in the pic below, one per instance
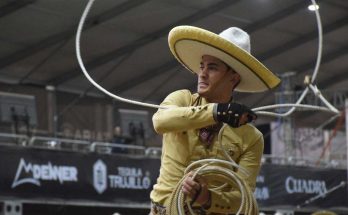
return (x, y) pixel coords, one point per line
(180, 124)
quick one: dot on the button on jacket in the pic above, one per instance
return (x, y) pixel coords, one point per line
(180, 124)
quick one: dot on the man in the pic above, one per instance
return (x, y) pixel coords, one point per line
(190, 123)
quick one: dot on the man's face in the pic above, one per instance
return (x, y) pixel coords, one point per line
(215, 80)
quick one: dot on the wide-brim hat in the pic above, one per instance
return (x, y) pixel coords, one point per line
(324, 212)
(188, 44)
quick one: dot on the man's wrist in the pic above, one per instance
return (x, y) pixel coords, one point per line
(198, 193)
(205, 197)
(207, 204)
(215, 110)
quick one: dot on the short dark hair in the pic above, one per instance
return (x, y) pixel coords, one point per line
(228, 67)
(234, 71)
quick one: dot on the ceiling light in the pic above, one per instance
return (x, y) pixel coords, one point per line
(313, 7)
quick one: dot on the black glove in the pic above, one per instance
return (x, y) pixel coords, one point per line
(231, 113)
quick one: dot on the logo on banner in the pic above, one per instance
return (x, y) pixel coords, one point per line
(307, 186)
(34, 173)
(99, 176)
(130, 178)
(126, 178)
(261, 191)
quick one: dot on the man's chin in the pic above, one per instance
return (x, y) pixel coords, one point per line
(202, 87)
(202, 92)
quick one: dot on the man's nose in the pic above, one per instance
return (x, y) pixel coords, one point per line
(203, 72)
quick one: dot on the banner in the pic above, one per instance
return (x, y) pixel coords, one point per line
(38, 173)
(305, 143)
(42, 174)
(279, 185)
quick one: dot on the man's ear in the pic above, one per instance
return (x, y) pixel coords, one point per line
(235, 77)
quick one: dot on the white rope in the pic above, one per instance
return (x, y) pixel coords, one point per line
(322, 98)
(320, 42)
(258, 110)
(220, 167)
(314, 107)
(330, 108)
(80, 61)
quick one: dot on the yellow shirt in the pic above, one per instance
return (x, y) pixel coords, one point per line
(180, 125)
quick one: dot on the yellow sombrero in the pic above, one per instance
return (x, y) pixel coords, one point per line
(188, 44)
(324, 212)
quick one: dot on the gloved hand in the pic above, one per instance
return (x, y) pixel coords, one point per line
(233, 114)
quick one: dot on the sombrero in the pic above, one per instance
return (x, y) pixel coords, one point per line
(188, 44)
(324, 212)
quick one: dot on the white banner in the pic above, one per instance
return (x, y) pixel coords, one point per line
(305, 143)
(337, 149)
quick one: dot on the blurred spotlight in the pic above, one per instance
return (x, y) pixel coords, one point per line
(334, 163)
(313, 7)
(52, 143)
(263, 160)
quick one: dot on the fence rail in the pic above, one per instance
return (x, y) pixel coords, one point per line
(76, 145)
(117, 148)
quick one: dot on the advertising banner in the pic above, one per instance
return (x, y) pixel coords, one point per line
(35, 173)
(301, 186)
(43, 174)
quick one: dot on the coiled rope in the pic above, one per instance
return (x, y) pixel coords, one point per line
(222, 170)
(224, 177)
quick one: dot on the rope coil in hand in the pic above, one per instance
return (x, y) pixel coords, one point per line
(224, 174)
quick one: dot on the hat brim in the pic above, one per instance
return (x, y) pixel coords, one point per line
(188, 44)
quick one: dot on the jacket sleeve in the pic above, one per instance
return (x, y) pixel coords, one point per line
(229, 202)
(178, 115)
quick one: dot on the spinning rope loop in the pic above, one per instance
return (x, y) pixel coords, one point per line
(259, 110)
(222, 170)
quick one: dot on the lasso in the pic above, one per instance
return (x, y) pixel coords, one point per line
(223, 170)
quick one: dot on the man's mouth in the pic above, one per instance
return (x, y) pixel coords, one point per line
(203, 84)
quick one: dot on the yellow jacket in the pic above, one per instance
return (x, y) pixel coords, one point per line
(181, 146)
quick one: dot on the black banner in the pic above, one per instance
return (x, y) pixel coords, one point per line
(43, 174)
(35, 173)
(301, 186)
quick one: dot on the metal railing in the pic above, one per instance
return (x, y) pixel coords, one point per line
(296, 161)
(77, 145)
(108, 148)
(9, 138)
(155, 152)
(58, 143)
